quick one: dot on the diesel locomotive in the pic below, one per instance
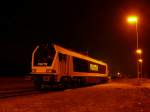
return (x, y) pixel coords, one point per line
(54, 65)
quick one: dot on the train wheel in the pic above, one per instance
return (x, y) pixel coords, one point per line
(66, 82)
(75, 82)
(37, 83)
(82, 81)
(104, 80)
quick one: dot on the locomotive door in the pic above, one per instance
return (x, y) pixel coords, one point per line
(62, 64)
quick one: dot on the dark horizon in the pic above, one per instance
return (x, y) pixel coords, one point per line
(98, 27)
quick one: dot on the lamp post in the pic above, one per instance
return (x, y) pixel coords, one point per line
(139, 62)
(134, 20)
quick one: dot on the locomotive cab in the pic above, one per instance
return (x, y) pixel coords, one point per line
(44, 55)
(42, 64)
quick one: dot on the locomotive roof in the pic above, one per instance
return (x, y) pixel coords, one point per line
(76, 54)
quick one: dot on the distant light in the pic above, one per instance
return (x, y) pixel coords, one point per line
(140, 60)
(118, 73)
(132, 19)
(139, 51)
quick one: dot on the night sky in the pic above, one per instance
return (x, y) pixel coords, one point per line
(96, 26)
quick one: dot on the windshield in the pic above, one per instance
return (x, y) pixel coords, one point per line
(44, 55)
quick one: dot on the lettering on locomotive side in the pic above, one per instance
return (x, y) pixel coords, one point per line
(93, 67)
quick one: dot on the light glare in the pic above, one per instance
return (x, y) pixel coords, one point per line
(139, 51)
(132, 19)
(140, 60)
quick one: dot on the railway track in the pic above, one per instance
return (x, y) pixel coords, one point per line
(19, 92)
(29, 91)
(26, 91)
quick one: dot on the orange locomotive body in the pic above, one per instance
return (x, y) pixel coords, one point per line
(55, 65)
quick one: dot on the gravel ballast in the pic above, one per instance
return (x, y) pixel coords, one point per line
(125, 96)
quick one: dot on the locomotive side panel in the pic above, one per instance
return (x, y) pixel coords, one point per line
(57, 65)
(87, 71)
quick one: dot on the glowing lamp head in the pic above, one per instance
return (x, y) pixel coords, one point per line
(139, 51)
(132, 19)
(140, 60)
(118, 73)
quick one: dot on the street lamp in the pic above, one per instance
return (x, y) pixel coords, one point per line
(139, 51)
(140, 60)
(140, 65)
(134, 20)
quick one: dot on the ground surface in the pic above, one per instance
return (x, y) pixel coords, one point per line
(13, 83)
(128, 95)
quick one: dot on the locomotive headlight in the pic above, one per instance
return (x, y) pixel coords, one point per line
(33, 70)
(48, 70)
